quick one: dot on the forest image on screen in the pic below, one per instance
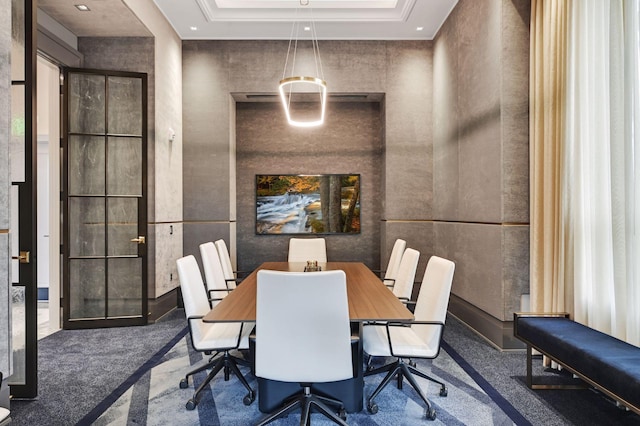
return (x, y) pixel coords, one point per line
(308, 204)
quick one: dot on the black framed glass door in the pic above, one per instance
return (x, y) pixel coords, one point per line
(104, 198)
(24, 340)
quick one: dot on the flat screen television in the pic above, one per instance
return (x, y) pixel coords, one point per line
(308, 204)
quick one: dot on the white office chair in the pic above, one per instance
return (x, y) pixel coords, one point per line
(391, 272)
(406, 276)
(303, 249)
(303, 335)
(230, 275)
(5, 414)
(420, 340)
(217, 287)
(210, 337)
(402, 286)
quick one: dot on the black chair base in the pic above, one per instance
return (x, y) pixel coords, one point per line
(403, 370)
(225, 362)
(305, 400)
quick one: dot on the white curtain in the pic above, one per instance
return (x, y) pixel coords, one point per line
(601, 181)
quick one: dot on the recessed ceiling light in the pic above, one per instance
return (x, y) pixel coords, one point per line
(82, 7)
(193, 28)
(419, 28)
(307, 28)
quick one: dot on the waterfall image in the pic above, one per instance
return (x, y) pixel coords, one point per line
(297, 204)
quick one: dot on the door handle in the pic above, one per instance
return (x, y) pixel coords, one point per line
(139, 240)
(23, 258)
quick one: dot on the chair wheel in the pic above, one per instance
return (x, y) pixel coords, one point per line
(443, 391)
(342, 414)
(248, 398)
(184, 383)
(412, 363)
(372, 408)
(431, 414)
(191, 405)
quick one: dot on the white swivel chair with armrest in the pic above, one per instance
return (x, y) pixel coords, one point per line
(391, 272)
(421, 340)
(217, 286)
(303, 249)
(402, 286)
(230, 275)
(303, 335)
(406, 276)
(220, 338)
(5, 414)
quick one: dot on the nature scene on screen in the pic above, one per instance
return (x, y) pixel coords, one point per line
(321, 204)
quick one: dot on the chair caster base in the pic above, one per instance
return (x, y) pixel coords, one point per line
(342, 414)
(443, 391)
(431, 414)
(191, 404)
(372, 407)
(184, 383)
(249, 398)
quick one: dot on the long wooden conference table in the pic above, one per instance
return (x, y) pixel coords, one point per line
(369, 300)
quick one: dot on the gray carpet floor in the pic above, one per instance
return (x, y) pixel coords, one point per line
(129, 376)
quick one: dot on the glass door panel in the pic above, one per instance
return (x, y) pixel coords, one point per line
(125, 106)
(122, 227)
(86, 227)
(124, 175)
(86, 158)
(125, 293)
(87, 301)
(86, 103)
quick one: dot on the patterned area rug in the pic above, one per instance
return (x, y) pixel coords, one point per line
(154, 397)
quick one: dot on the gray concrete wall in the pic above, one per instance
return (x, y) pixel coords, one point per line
(481, 153)
(213, 70)
(5, 184)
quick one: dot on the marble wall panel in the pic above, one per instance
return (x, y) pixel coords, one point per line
(5, 303)
(5, 111)
(167, 167)
(5, 184)
(206, 131)
(168, 248)
(349, 143)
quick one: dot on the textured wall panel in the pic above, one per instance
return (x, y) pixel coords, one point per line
(481, 151)
(515, 110)
(477, 251)
(409, 148)
(349, 142)
(206, 130)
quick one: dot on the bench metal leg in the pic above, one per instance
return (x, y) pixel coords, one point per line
(578, 383)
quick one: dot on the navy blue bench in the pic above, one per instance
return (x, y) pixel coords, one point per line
(602, 361)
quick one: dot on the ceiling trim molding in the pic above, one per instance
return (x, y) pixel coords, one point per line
(399, 13)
